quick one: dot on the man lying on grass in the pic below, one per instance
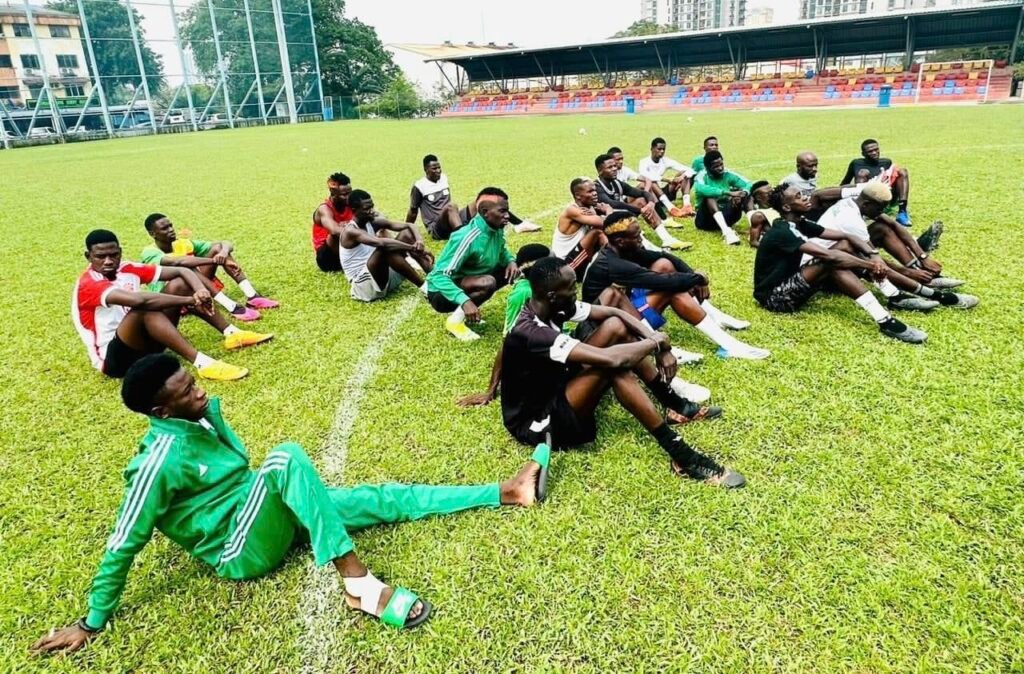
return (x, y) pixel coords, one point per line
(191, 480)
(551, 382)
(655, 281)
(120, 324)
(375, 263)
(203, 257)
(790, 269)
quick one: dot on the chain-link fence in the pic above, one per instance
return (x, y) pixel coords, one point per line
(82, 69)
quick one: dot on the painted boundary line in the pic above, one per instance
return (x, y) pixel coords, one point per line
(321, 606)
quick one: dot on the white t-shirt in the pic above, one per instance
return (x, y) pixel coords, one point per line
(655, 170)
(844, 216)
(627, 175)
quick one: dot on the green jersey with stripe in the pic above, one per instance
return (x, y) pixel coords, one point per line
(187, 480)
(474, 249)
(153, 255)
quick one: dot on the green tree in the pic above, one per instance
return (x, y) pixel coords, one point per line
(115, 52)
(644, 27)
(353, 60)
(399, 100)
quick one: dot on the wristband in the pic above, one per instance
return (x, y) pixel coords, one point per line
(85, 627)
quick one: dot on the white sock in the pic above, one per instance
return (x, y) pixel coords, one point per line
(870, 304)
(247, 288)
(720, 221)
(887, 288)
(722, 318)
(663, 234)
(924, 291)
(665, 202)
(225, 301)
(458, 316)
(202, 360)
(646, 323)
(717, 334)
(647, 243)
(230, 330)
(686, 199)
(423, 288)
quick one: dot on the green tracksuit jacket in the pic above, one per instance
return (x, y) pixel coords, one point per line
(473, 250)
(705, 185)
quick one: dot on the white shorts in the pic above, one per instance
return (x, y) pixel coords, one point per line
(367, 289)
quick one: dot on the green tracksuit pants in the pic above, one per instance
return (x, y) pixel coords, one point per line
(287, 496)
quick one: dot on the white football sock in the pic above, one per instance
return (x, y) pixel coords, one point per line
(458, 316)
(924, 291)
(887, 288)
(663, 234)
(225, 301)
(722, 318)
(686, 199)
(720, 221)
(717, 334)
(648, 245)
(202, 360)
(870, 304)
(423, 288)
(230, 330)
(665, 202)
(246, 287)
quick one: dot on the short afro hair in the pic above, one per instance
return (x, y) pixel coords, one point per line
(601, 159)
(614, 149)
(492, 192)
(713, 155)
(151, 220)
(340, 178)
(658, 141)
(709, 138)
(98, 236)
(530, 253)
(545, 273)
(145, 379)
(866, 142)
(758, 185)
(428, 159)
(357, 197)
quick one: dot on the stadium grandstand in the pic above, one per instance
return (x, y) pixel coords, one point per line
(821, 62)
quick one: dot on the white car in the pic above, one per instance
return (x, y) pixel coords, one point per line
(41, 132)
(175, 118)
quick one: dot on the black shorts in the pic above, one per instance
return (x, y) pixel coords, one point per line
(119, 358)
(443, 305)
(581, 265)
(566, 428)
(439, 231)
(790, 295)
(706, 221)
(327, 259)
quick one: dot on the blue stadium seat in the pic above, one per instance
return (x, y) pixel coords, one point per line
(982, 90)
(830, 89)
(789, 98)
(959, 90)
(869, 87)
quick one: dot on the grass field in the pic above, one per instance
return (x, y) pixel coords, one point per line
(882, 528)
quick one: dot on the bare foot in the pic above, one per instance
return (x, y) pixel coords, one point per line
(385, 597)
(522, 489)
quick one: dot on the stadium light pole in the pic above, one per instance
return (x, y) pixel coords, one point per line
(255, 63)
(184, 67)
(286, 64)
(142, 67)
(220, 65)
(54, 115)
(91, 55)
(316, 56)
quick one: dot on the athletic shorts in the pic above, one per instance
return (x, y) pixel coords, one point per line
(119, 358)
(566, 428)
(439, 231)
(327, 259)
(582, 264)
(790, 295)
(367, 290)
(706, 221)
(443, 305)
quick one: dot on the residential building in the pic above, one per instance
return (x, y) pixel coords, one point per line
(817, 9)
(691, 15)
(761, 16)
(59, 52)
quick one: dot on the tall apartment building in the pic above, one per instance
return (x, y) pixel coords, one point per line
(817, 9)
(690, 15)
(761, 16)
(60, 53)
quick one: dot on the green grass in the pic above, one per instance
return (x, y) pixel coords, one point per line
(882, 528)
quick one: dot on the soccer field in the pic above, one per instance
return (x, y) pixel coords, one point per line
(882, 527)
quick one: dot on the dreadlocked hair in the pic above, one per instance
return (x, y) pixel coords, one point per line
(775, 199)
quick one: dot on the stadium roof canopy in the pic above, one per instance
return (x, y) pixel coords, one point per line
(900, 32)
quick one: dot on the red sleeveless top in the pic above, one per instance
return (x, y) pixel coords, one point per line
(321, 233)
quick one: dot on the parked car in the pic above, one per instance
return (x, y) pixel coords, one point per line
(216, 120)
(41, 132)
(175, 118)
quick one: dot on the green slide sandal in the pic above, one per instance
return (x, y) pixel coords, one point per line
(396, 613)
(542, 455)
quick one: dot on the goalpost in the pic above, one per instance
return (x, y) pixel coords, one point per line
(989, 64)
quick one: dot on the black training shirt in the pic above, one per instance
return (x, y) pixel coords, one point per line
(778, 254)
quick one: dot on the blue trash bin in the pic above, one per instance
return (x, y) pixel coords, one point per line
(884, 94)
(630, 105)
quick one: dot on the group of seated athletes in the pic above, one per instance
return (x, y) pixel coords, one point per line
(191, 477)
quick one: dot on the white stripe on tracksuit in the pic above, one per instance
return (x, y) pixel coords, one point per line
(461, 251)
(139, 491)
(247, 516)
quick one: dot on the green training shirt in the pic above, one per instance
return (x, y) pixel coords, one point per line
(474, 249)
(187, 481)
(517, 299)
(705, 185)
(698, 163)
(152, 255)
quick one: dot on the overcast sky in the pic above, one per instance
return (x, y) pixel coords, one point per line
(528, 23)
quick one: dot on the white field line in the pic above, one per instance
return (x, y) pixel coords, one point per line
(321, 606)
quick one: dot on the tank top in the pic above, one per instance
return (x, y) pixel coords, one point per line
(562, 244)
(321, 233)
(353, 260)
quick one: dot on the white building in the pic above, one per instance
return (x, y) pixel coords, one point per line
(59, 52)
(690, 15)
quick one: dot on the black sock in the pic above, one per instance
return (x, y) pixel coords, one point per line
(664, 394)
(946, 299)
(674, 446)
(660, 209)
(903, 205)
